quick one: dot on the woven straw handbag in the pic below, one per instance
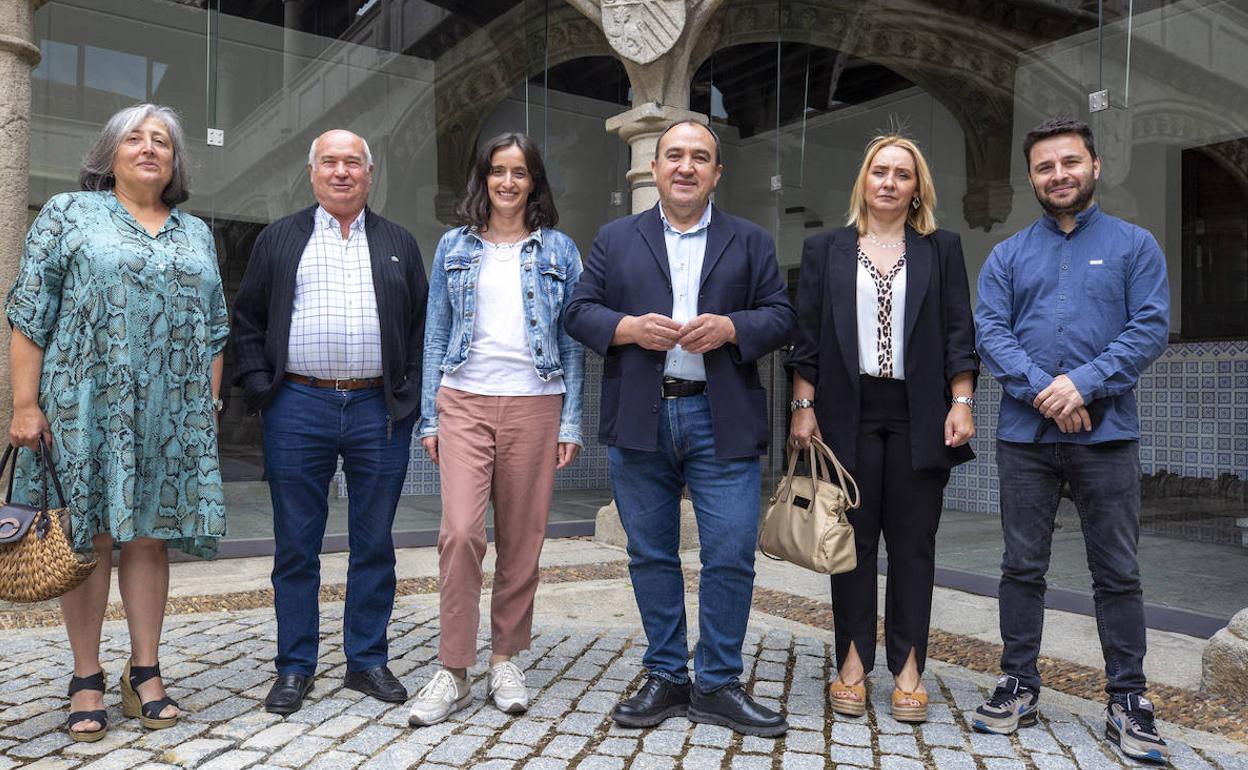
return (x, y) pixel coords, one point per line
(36, 560)
(806, 522)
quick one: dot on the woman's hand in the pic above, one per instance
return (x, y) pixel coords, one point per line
(567, 452)
(28, 424)
(959, 425)
(430, 443)
(803, 426)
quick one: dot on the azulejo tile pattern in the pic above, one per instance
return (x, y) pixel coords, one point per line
(1193, 404)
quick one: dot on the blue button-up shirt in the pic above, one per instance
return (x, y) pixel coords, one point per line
(1093, 304)
(685, 253)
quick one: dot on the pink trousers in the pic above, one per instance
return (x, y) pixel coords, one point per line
(499, 449)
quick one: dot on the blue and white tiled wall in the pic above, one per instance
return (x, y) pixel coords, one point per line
(1193, 405)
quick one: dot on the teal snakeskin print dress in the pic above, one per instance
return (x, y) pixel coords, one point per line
(129, 325)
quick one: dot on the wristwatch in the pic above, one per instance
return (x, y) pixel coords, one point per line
(800, 403)
(218, 405)
(966, 400)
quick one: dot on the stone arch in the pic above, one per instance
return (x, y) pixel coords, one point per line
(966, 63)
(474, 77)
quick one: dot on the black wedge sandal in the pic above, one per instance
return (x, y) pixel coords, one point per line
(77, 684)
(147, 713)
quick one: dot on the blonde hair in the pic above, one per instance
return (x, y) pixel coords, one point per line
(923, 218)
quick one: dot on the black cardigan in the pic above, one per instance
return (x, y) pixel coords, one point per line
(939, 339)
(266, 298)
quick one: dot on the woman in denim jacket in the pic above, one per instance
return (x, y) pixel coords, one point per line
(501, 404)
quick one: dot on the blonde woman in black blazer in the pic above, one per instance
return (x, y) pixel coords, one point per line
(884, 368)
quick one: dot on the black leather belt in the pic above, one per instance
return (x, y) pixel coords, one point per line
(676, 388)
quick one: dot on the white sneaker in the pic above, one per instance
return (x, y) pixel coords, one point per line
(507, 688)
(444, 695)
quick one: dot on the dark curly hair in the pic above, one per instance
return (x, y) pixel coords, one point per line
(1056, 127)
(474, 207)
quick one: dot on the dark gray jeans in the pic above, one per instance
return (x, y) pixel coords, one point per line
(1105, 480)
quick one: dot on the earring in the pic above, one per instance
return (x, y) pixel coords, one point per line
(914, 204)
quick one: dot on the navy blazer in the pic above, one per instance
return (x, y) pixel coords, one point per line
(939, 339)
(266, 298)
(627, 274)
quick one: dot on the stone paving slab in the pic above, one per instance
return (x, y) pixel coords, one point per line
(220, 664)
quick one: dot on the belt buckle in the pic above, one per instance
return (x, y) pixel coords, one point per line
(663, 389)
(338, 384)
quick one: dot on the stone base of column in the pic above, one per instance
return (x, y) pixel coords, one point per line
(1225, 661)
(609, 531)
(641, 128)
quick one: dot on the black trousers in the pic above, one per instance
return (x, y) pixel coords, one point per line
(904, 505)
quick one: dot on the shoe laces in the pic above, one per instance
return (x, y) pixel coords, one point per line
(1141, 720)
(1003, 696)
(442, 683)
(507, 674)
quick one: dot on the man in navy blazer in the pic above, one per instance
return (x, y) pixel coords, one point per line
(681, 301)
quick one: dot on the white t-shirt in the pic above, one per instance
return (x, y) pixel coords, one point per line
(499, 362)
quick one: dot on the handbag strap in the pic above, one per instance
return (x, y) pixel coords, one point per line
(9, 459)
(841, 474)
(49, 468)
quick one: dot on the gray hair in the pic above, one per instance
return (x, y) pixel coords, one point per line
(97, 165)
(368, 154)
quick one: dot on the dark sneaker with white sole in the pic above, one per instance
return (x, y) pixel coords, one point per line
(1129, 725)
(1012, 705)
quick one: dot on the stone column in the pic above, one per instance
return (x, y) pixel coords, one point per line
(640, 127)
(18, 55)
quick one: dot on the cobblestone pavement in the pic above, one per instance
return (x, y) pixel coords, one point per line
(219, 666)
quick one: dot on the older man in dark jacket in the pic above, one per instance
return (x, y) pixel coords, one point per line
(682, 300)
(328, 333)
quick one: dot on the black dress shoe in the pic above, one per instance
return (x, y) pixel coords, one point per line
(287, 693)
(657, 700)
(377, 682)
(729, 706)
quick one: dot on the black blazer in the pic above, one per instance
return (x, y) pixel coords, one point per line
(266, 298)
(939, 339)
(627, 274)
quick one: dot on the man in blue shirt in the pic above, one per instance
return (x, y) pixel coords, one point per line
(1071, 311)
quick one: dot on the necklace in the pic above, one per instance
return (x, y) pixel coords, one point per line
(891, 245)
(503, 252)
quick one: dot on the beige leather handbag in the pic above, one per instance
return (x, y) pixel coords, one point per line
(806, 522)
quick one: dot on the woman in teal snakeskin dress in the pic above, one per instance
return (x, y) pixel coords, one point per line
(119, 322)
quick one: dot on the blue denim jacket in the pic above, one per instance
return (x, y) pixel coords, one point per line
(550, 267)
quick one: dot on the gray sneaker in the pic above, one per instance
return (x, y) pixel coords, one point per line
(1129, 725)
(444, 695)
(1011, 706)
(507, 688)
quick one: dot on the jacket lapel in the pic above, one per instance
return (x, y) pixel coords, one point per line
(843, 293)
(379, 252)
(651, 229)
(918, 275)
(719, 233)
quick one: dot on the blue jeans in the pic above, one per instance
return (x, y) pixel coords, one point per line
(1105, 481)
(305, 430)
(647, 487)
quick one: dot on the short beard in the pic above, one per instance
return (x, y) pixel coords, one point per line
(1081, 201)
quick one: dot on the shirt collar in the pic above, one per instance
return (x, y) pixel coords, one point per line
(702, 224)
(172, 223)
(1082, 219)
(326, 220)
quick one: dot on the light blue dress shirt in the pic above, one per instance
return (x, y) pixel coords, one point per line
(1093, 304)
(685, 253)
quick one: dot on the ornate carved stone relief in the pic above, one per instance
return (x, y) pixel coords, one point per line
(642, 30)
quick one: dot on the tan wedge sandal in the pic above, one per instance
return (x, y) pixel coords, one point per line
(132, 706)
(99, 716)
(848, 706)
(903, 711)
